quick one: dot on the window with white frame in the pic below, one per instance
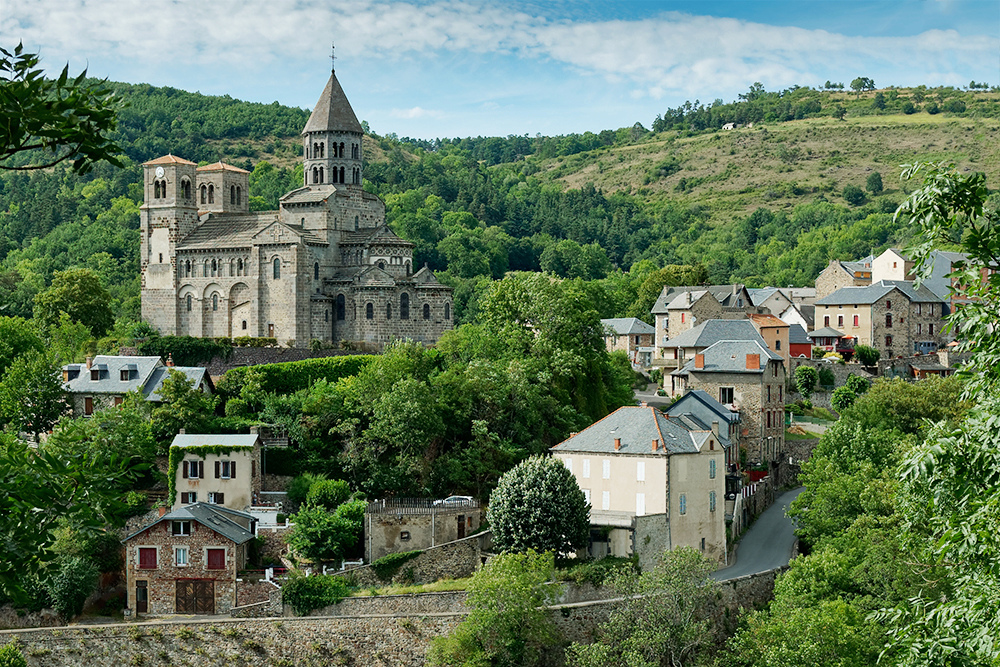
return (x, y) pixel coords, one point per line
(683, 501)
(640, 504)
(640, 471)
(606, 468)
(586, 468)
(180, 528)
(181, 556)
(569, 464)
(605, 500)
(586, 495)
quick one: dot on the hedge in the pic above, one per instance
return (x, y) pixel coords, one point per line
(191, 351)
(306, 594)
(290, 376)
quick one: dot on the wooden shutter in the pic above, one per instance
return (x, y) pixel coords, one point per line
(216, 559)
(184, 467)
(147, 558)
(220, 499)
(217, 475)
(232, 469)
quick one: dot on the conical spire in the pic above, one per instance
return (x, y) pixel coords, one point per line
(333, 113)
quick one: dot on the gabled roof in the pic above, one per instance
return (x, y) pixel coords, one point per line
(196, 374)
(227, 231)
(699, 403)
(170, 159)
(372, 275)
(211, 516)
(382, 234)
(825, 332)
(424, 276)
(712, 331)
(727, 295)
(622, 326)
(185, 440)
(333, 113)
(730, 356)
(222, 166)
(766, 320)
(869, 294)
(636, 427)
(309, 194)
(110, 382)
(797, 335)
(760, 295)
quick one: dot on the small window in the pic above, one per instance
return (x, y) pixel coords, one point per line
(187, 270)
(277, 268)
(118, 401)
(388, 311)
(95, 374)
(316, 271)
(586, 468)
(726, 395)
(930, 329)
(189, 498)
(217, 498)
(427, 311)
(88, 406)
(640, 504)
(180, 556)
(147, 558)
(211, 194)
(404, 306)
(404, 535)
(856, 320)
(192, 469)
(640, 471)
(341, 307)
(216, 559)
(711, 501)
(605, 500)
(606, 469)
(918, 329)
(447, 311)
(919, 308)
(125, 375)
(826, 320)
(161, 258)
(777, 345)
(840, 321)
(369, 311)
(888, 320)
(215, 302)
(239, 195)
(888, 305)
(180, 528)
(711, 469)
(683, 504)
(244, 325)
(204, 194)
(888, 341)
(232, 195)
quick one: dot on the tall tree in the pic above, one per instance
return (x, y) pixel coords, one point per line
(79, 294)
(32, 397)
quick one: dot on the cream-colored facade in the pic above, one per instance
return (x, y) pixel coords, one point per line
(218, 469)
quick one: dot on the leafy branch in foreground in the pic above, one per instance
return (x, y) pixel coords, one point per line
(68, 119)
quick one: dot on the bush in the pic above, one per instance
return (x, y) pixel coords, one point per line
(321, 535)
(593, 572)
(853, 195)
(70, 586)
(866, 355)
(298, 489)
(306, 594)
(805, 380)
(328, 493)
(387, 566)
(795, 409)
(11, 656)
(186, 350)
(289, 377)
(826, 377)
(283, 461)
(874, 184)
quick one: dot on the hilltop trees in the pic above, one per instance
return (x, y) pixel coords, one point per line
(861, 84)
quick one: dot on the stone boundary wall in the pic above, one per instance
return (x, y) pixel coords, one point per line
(15, 618)
(840, 371)
(271, 606)
(453, 560)
(416, 603)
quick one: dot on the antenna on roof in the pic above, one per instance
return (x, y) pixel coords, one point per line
(333, 57)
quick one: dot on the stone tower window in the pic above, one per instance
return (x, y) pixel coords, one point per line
(341, 174)
(244, 326)
(232, 268)
(156, 189)
(315, 175)
(316, 271)
(342, 307)
(232, 195)
(188, 300)
(186, 188)
(187, 268)
(215, 302)
(355, 223)
(239, 195)
(427, 311)
(369, 311)
(204, 194)
(404, 306)
(321, 180)
(205, 269)
(277, 268)
(322, 148)
(388, 311)
(214, 267)
(381, 264)
(447, 311)
(341, 149)
(211, 193)
(239, 267)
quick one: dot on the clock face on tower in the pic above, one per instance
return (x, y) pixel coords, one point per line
(159, 172)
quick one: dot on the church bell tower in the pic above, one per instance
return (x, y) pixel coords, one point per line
(331, 140)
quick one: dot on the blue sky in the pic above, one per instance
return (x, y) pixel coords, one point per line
(436, 68)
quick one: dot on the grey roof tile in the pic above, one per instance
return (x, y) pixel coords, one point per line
(636, 427)
(214, 439)
(332, 111)
(730, 356)
(712, 331)
(627, 326)
(196, 374)
(796, 334)
(110, 381)
(219, 519)
(869, 294)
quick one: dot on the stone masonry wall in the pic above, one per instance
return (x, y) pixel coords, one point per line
(453, 560)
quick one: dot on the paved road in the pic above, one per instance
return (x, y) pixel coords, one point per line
(649, 396)
(768, 544)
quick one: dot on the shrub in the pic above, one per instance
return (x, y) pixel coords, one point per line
(289, 377)
(853, 195)
(874, 184)
(306, 594)
(186, 350)
(805, 380)
(298, 489)
(866, 355)
(826, 377)
(11, 656)
(387, 566)
(594, 572)
(70, 586)
(328, 493)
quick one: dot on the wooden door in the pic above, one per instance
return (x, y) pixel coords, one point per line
(270, 331)
(141, 597)
(195, 596)
(461, 526)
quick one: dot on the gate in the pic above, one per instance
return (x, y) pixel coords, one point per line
(195, 596)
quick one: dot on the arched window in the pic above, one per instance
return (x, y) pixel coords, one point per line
(214, 267)
(355, 223)
(326, 315)
(388, 310)
(381, 264)
(408, 267)
(244, 325)
(239, 195)
(156, 189)
(321, 180)
(341, 174)
(315, 175)
(186, 188)
(427, 311)
(239, 267)
(232, 268)
(215, 302)
(211, 193)
(341, 152)
(189, 300)
(447, 311)
(341, 307)
(232, 195)
(315, 149)
(322, 148)
(187, 268)
(404, 306)
(369, 312)
(204, 194)
(316, 271)
(277, 268)
(205, 270)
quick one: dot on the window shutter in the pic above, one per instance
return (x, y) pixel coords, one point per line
(232, 470)
(184, 466)
(220, 499)
(217, 475)
(201, 470)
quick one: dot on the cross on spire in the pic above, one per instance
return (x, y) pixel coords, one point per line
(333, 57)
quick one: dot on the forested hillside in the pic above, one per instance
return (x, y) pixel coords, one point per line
(815, 178)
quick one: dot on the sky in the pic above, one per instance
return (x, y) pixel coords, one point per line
(444, 68)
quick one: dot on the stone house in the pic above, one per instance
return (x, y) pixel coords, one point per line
(774, 332)
(682, 348)
(186, 561)
(395, 525)
(216, 469)
(748, 378)
(103, 381)
(648, 475)
(699, 405)
(895, 317)
(632, 336)
(678, 309)
(840, 274)
(324, 266)
(793, 305)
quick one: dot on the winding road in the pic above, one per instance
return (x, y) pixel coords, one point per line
(767, 544)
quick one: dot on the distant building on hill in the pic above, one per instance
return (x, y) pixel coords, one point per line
(324, 266)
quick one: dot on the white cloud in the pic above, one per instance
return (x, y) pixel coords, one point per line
(415, 112)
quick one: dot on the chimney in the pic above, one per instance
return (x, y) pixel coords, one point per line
(618, 444)
(161, 510)
(753, 362)
(715, 426)
(170, 360)
(656, 444)
(65, 375)
(181, 432)
(254, 430)
(572, 433)
(90, 362)
(699, 361)
(643, 404)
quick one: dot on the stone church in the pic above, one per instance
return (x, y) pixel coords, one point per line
(324, 266)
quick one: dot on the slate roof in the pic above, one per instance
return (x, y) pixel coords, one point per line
(211, 440)
(869, 294)
(730, 356)
(722, 293)
(712, 331)
(110, 381)
(825, 332)
(333, 113)
(241, 231)
(196, 374)
(760, 295)
(381, 234)
(797, 335)
(709, 406)
(216, 517)
(636, 427)
(309, 194)
(622, 326)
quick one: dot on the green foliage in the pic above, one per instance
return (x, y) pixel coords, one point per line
(306, 594)
(866, 355)
(593, 572)
(508, 625)
(11, 656)
(320, 535)
(662, 618)
(289, 377)
(123, 432)
(853, 195)
(71, 584)
(17, 336)
(387, 566)
(186, 350)
(32, 397)
(539, 506)
(805, 380)
(79, 294)
(328, 493)
(825, 377)
(182, 406)
(298, 488)
(48, 121)
(874, 183)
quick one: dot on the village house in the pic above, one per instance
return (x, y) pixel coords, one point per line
(678, 309)
(799, 344)
(632, 336)
(774, 332)
(793, 305)
(839, 274)
(747, 378)
(216, 469)
(653, 482)
(102, 381)
(677, 351)
(393, 525)
(706, 410)
(186, 561)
